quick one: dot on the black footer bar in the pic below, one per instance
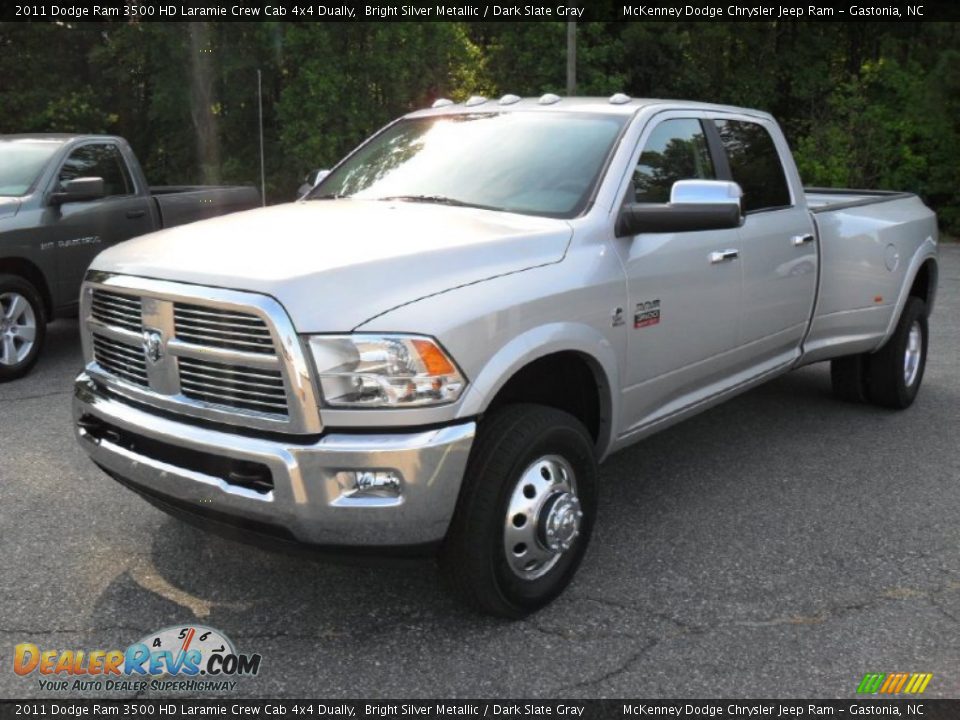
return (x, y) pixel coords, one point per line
(868, 707)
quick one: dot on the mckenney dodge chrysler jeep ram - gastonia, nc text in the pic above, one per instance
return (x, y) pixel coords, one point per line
(437, 345)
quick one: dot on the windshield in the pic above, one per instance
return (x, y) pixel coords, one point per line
(538, 163)
(21, 162)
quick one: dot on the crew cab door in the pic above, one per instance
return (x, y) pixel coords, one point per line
(80, 230)
(684, 301)
(778, 248)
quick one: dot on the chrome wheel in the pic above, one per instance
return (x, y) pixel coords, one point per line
(912, 354)
(543, 517)
(18, 328)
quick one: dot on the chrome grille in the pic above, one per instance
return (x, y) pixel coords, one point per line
(213, 354)
(233, 386)
(214, 327)
(118, 310)
(122, 360)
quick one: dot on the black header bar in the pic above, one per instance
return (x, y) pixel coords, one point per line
(479, 11)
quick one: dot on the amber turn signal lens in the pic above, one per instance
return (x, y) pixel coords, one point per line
(433, 359)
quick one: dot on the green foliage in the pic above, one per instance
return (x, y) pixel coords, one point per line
(890, 127)
(863, 104)
(345, 80)
(77, 108)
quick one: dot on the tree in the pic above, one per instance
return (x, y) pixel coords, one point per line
(867, 103)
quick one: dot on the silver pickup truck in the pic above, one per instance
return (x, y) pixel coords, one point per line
(437, 347)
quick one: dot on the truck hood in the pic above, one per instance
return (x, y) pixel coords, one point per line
(334, 264)
(8, 207)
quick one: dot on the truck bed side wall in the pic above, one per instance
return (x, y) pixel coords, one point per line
(869, 255)
(177, 207)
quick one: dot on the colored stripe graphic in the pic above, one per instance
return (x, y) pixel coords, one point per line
(898, 682)
(871, 683)
(922, 680)
(894, 683)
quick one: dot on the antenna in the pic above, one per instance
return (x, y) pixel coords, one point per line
(263, 177)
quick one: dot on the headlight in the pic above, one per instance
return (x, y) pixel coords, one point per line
(384, 371)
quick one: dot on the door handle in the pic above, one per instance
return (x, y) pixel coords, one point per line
(134, 214)
(724, 256)
(799, 240)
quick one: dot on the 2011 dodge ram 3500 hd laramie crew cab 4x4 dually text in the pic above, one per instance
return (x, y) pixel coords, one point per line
(441, 341)
(63, 199)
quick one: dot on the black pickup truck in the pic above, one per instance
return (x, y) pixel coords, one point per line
(63, 199)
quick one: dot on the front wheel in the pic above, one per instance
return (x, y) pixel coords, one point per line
(525, 513)
(22, 327)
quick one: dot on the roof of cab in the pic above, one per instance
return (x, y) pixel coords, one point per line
(54, 137)
(618, 104)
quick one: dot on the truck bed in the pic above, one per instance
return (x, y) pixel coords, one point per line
(868, 240)
(823, 199)
(182, 204)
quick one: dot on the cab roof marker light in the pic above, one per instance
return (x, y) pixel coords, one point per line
(509, 99)
(620, 99)
(475, 100)
(442, 102)
(548, 99)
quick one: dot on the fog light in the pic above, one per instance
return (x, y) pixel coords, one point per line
(370, 483)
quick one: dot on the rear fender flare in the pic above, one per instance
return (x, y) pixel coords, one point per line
(926, 251)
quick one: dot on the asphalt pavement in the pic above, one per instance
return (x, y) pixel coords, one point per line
(780, 545)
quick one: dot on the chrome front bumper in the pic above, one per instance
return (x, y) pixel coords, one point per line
(307, 500)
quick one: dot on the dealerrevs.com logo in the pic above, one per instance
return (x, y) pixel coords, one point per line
(190, 658)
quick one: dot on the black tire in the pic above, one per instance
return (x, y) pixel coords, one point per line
(11, 369)
(848, 377)
(473, 558)
(886, 381)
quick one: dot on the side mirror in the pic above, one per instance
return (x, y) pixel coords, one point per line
(694, 205)
(312, 179)
(77, 190)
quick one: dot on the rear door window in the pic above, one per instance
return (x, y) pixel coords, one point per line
(676, 150)
(99, 160)
(754, 164)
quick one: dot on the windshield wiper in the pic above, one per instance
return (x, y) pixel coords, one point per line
(326, 196)
(439, 200)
